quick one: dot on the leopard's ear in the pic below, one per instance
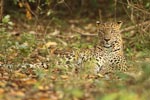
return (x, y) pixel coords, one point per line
(97, 23)
(119, 24)
(98, 26)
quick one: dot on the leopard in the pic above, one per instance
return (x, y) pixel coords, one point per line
(108, 53)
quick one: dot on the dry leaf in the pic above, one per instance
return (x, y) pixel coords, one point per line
(20, 4)
(20, 75)
(55, 32)
(64, 76)
(100, 75)
(2, 84)
(49, 44)
(53, 77)
(43, 87)
(30, 81)
(1, 91)
(17, 93)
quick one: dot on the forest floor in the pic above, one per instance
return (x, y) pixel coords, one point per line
(31, 43)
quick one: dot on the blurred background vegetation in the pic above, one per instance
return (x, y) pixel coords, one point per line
(66, 16)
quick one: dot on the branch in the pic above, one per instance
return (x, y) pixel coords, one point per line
(81, 32)
(135, 26)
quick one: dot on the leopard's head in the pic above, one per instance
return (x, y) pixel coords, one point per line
(109, 33)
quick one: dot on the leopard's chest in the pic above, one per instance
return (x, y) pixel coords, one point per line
(109, 58)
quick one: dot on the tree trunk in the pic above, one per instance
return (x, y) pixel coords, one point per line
(1, 9)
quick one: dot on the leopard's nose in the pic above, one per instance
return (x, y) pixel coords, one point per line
(106, 39)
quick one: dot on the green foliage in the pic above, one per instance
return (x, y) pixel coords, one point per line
(15, 1)
(24, 45)
(75, 93)
(40, 73)
(32, 1)
(122, 95)
(7, 23)
(94, 3)
(5, 44)
(147, 5)
(146, 70)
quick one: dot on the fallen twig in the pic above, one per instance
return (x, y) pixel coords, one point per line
(85, 33)
(82, 32)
